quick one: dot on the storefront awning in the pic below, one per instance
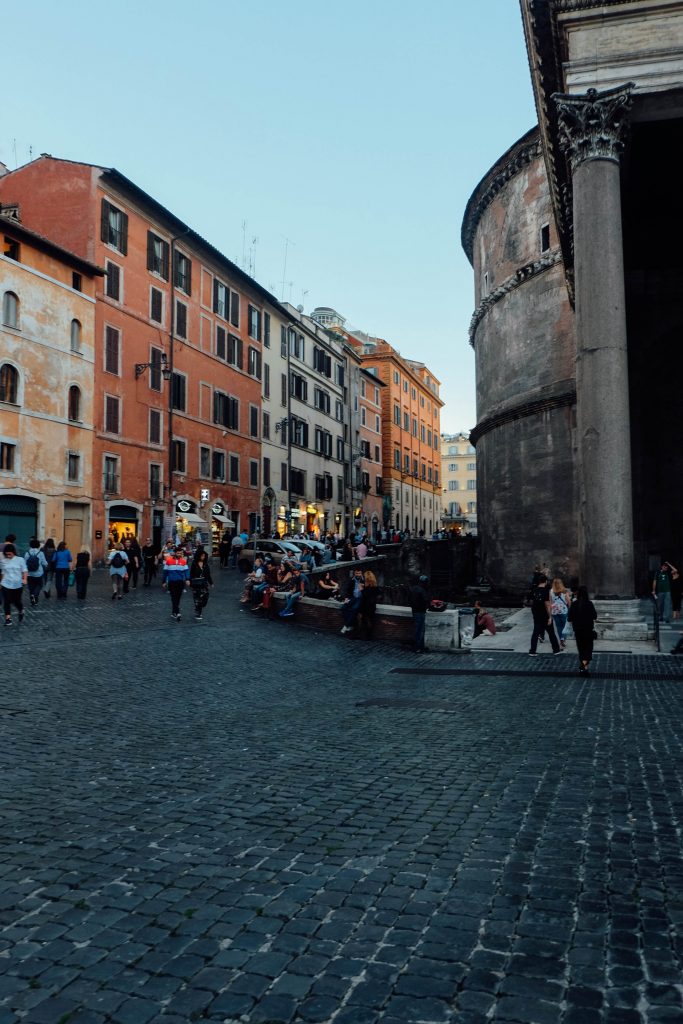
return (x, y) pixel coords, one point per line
(223, 519)
(191, 518)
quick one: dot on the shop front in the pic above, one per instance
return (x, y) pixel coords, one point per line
(18, 515)
(190, 528)
(314, 518)
(123, 523)
(220, 524)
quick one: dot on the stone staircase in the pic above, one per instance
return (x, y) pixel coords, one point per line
(622, 620)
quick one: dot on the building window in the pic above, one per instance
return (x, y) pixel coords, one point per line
(283, 476)
(472, 467)
(296, 344)
(452, 467)
(112, 345)
(406, 421)
(545, 237)
(204, 461)
(10, 310)
(299, 432)
(221, 342)
(182, 272)
(254, 322)
(7, 456)
(254, 363)
(9, 384)
(338, 411)
(253, 420)
(405, 386)
(297, 482)
(321, 400)
(110, 482)
(76, 281)
(157, 255)
(155, 371)
(471, 485)
(156, 305)
(377, 425)
(75, 336)
(414, 427)
(266, 330)
(178, 391)
(299, 387)
(340, 489)
(378, 457)
(234, 309)
(322, 362)
(323, 442)
(155, 486)
(397, 458)
(73, 467)
(453, 450)
(114, 227)
(453, 485)
(112, 281)
(234, 469)
(363, 416)
(112, 414)
(397, 415)
(221, 299)
(180, 319)
(74, 403)
(226, 410)
(378, 485)
(253, 472)
(178, 456)
(397, 379)
(218, 466)
(266, 380)
(283, 341)
(235, 351)
(266, 426)
(154, 426)
(340, 449)
(283, 389)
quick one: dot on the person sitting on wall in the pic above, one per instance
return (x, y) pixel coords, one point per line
(483, 621)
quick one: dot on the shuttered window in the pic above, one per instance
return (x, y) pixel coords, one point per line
(113, 281)
(112, 340)
(180, 319)
(157, 255)
(112, 417)
(156, 305)
(114, 227)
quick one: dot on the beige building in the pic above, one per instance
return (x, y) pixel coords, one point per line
(46, 388)
(459, 476)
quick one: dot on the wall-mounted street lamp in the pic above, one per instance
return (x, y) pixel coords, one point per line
(162, 364)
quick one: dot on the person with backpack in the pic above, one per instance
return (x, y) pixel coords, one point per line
(200, 581)
(118, 570)
(63, 562)
(36, 566)
(49, 574)
(542, 616)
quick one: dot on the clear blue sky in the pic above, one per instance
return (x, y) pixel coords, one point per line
(356, 130)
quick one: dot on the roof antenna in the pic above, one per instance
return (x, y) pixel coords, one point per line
(288, 242)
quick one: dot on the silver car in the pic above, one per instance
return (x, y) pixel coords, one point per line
(277, 549)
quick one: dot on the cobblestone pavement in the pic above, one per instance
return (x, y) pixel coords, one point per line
(248, 821)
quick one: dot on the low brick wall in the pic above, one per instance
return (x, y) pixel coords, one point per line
(393, 625)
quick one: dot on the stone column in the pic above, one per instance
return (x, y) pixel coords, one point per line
(592, 132)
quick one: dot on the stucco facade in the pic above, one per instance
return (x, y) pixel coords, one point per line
(47, 355)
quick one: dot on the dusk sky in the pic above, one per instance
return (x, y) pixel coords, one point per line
(346, 138)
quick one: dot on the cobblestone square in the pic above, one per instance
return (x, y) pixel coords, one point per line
(243, 820)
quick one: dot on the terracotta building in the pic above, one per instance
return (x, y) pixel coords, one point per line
(180, 333)
(47, 354)
(578, 305)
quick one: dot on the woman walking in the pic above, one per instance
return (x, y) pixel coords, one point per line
(368, 605)
(36, 567)
(49, 574)
(63, 562)
(82, 573)
(559, 608)
(118, 570)
(582, 615)
(200, 581)
(13, 572)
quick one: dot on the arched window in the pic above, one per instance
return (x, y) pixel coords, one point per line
(10, 310)
(74, 403)
(75, 336)
(9, 384)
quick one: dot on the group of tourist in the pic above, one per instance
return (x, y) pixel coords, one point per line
(552, 607)
(38, 568)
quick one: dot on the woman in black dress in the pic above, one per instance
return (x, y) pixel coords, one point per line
(582, 616)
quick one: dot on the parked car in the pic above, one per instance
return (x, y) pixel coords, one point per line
(277, 549)
(302, 543)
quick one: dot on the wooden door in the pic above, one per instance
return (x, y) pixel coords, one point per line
(73, 535)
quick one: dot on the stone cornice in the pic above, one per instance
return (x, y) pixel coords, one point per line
(593, 125)
(562, 397)
(520, 276)
(515, 159)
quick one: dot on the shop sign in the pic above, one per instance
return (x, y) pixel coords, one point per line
(185, 506)
(217, 509)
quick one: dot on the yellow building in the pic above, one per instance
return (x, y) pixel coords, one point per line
(46, 388)
(459, 476)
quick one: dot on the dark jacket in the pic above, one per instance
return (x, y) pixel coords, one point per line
(200, 574)
(582, 615)
(419, 599)
(368, 601)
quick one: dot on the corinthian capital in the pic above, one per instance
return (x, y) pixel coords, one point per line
(593, 125)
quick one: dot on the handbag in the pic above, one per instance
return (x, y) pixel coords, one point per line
(72, 578)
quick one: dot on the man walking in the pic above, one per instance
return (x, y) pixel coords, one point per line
(661, 591)
(542, 616)
(419, 602)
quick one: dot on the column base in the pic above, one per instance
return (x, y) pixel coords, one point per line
(620, 620)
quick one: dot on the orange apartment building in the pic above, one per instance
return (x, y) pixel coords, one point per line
(179, 337)
(47, 352)
(411, 410)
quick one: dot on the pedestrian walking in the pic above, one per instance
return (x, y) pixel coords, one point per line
(176, 579)
(368, 605)
(419, 603)
(118, 570)
(200, 581)
(582, 616)
(63, 563)
(13, 580)
(134, 552)
(149, 562)
(560, 600)
(82, 573)
(49, 552)
(542, 616)
(224, 551)
(238, 542)
(36, 566)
